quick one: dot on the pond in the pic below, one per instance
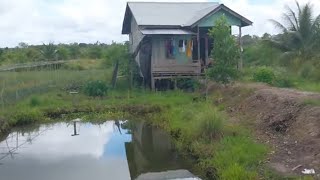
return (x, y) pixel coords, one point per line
(81, 151)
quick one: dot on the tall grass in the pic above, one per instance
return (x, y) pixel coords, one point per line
(17, 85)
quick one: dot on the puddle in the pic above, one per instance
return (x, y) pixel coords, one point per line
(112, 150)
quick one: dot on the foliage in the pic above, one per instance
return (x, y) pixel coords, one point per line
(83, 64)
(63, 53)
(117, 52)
(283, 82)
(188, 84)
(49, 52)
(34, 101)
(26, 117)
(300, 37)
(236, 156)
(225, 53)
(29, 53)
(96, 88)
(261, 54)
(264, 74)
(211, 123)
(312, 102)
(95, 52)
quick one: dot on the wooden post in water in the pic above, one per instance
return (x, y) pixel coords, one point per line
(75, 127)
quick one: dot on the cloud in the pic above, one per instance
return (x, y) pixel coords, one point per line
(67, 21)
(260, 13)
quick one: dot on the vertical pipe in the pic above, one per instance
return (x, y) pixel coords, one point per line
(240, 66)
(207, 51)
(153, 86)
(198, 39)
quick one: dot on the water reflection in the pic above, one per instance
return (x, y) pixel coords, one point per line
(112, 150)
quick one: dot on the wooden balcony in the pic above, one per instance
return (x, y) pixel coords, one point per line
(169, 70)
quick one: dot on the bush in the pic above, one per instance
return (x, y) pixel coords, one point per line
(96, 89)
(264, 74)
(188, 84)
(34, 101)
(225, 54)
(306, 70)
(27, 117)
(211, 123)
(283, 82)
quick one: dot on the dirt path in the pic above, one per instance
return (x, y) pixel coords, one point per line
(283, 118)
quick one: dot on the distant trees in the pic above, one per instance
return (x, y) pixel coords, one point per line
(300, 31)
(49, 52)
(74, 50)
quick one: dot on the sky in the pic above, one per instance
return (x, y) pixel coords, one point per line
(89, 21)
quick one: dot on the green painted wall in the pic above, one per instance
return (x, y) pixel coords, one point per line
(210, 20)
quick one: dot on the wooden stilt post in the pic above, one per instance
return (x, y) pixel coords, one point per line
(153, 85)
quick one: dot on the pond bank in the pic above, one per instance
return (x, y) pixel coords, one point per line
(221, 145)
(286, 120)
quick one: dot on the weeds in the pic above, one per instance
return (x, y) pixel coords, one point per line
(264, 74)
(211, 123)
(96, 89)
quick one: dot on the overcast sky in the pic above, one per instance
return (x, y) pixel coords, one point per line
(67, 21)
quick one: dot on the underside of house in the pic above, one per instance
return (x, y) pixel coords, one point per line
(170, 40)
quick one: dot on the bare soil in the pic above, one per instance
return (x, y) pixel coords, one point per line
(282, 119)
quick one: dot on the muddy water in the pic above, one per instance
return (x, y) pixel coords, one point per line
(84, 151)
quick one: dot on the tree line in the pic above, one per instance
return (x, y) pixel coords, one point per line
(25, 53)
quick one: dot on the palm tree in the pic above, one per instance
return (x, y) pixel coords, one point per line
(49, 52)
(301, 31)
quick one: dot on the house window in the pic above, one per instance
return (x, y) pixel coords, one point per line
(170, 48)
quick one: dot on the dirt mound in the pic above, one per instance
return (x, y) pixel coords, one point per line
(286, 122)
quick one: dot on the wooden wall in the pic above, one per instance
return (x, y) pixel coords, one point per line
(181, 63)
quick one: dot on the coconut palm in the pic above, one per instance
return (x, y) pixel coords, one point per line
(49, 52)
(300, 31)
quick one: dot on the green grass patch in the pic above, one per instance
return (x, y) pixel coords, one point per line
(312, 102)
(83, 64)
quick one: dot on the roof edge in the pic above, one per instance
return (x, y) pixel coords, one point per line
(125, 29)
(222, 6)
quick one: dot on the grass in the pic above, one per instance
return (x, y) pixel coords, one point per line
(197, 127)
(17, 85)
(83, 64)
(312, 102)
(284, 79)
(200, 130)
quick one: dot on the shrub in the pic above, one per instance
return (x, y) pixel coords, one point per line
(211, 123)
(188, 84)
(225, 54)
(96, 88)
(34, 101)
(283, 82)
(306, 70)
(264, 74)
(26, 117)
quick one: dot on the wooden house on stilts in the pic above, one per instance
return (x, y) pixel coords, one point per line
(170, 39)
